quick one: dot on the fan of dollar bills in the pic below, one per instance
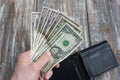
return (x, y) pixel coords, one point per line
(54, 31)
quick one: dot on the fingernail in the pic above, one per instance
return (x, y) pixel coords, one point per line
(48, 77)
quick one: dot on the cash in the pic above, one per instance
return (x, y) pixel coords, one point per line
(54, 31)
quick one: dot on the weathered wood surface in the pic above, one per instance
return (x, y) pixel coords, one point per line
(100, 20)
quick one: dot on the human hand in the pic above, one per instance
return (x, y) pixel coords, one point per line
(25, 69)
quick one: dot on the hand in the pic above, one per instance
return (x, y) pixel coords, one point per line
(25, 69)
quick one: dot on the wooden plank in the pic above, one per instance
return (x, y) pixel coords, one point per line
(103, 16)
(15, 33)
(2, 23)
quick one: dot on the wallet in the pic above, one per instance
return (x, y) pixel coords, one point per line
(86, 64)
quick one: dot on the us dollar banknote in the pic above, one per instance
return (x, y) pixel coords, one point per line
(50, 40)
(42, 19)
(53, 30)
(67, 41)
(49, 22)
(34, 21)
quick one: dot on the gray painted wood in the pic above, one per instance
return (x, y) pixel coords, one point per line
(104, 24)
(100, 20)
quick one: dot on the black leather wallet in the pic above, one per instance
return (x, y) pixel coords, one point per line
(86, 64)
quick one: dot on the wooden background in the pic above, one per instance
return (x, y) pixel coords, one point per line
(100, 20)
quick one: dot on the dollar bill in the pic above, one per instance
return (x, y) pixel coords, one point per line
(40, 24)
(49, 22)
(40, 37)
(63, 20)
(54, 31)
(67, 41)
(34, 20)
(50, 40)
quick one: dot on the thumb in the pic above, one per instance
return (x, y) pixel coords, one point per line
(42, 61)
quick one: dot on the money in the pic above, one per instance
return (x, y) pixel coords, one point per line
(50, 20)
(66, 42)
(54, 31)
(34, 21)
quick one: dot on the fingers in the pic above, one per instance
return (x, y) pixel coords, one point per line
(48, 75)
(40, 63)
(57, 66)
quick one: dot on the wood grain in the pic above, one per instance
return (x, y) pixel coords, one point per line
(100, 20)
(102, 24)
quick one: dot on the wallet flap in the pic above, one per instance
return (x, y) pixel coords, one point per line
(98, 59)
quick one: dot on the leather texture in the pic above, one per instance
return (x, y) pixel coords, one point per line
(86, 64)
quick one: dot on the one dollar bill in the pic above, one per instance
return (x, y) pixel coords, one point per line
(54, 31)
(67, 41)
